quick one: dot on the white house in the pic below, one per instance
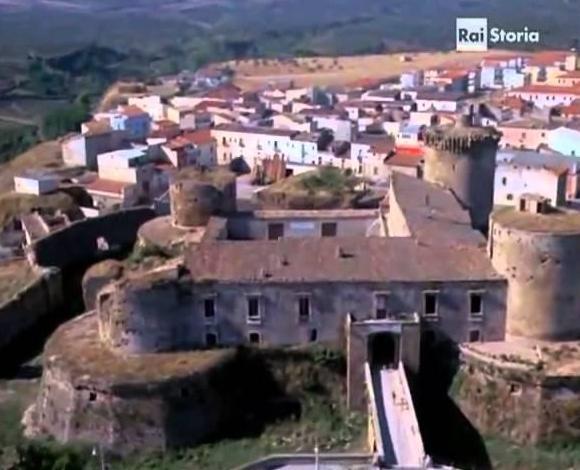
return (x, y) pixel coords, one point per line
(35, 182)
(513, 180)
(552, 176)
(566, 140)
(440, 101)
(250, 143)
(547, 96)
(298, 123)
(381, 96)
(151, 104)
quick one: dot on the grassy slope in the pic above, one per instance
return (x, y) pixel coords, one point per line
(45, 155)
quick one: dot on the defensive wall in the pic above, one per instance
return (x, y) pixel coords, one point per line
(462, 159)
(539, 254)
(41, 298)
(89, 239)
(530, 398)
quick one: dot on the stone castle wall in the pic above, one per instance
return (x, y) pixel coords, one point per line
(161, 311)
(543, 271)
(197, 195)
(86, 395)
(518, 403)
(193, 203)
(90, 239)
(38, 300)
(469, 172)
(149, 316)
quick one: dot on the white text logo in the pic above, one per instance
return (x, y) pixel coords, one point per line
(473, 35)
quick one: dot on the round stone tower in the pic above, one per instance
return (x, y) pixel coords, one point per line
(462, 158)
(148, 313)
(197, 194)
(538, 251)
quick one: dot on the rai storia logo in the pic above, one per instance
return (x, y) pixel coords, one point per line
(474, 35)
(471, 34)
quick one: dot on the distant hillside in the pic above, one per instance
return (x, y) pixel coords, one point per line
(270, 26)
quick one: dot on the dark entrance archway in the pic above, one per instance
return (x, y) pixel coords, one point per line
(383, 349)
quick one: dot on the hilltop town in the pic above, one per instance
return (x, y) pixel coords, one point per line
(426, 228)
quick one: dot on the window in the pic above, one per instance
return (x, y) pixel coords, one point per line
(303, 309)
(381, 301)
(430, 304)
(475, 304)
(209, 309)
(254, 309)
(474, 336)
(92, 396)
(515, 389)
(254, 337)
(510, 197)
(328, 229)
(313, 335)
(504, 181)
(275, 231)
(211, 339)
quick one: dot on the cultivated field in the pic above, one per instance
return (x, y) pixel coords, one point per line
(307, 71)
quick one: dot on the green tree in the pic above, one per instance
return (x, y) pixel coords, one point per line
(35, 456)
(65, 119)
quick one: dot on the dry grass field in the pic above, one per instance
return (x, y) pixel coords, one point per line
(44, 155)
(308, 71)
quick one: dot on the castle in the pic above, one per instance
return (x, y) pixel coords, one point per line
(138, 371)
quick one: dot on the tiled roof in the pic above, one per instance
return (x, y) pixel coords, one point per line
(570, 74)
(199, 137)
(573, 109)
(442, 96)
(178, 143)
(107, 186)
(255, 130)
(132, 110)
(205, 104)
(551, 89)
(95, 127)
(164, 123)
(321, 260)
(224, 92)
(547, 58)
(433, 215)
(452, 74)
(406, 156)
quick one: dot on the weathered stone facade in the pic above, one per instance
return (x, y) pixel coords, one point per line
(540, 256)
(90, 239)
(196, 195)
(522, 402)
(88, 394)
(40, 299)
(462, 159)
(161, 312)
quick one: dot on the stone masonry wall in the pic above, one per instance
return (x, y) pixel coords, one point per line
(543, 271)
(470, 176)
(520, 405)
(169, 315)
(90, 239)
(39, 299)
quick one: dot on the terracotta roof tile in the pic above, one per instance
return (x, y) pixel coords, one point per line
(200, 137)
(320, 260)
(107, 186)
(132, 110)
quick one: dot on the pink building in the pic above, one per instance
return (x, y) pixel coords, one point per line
(525, 134)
